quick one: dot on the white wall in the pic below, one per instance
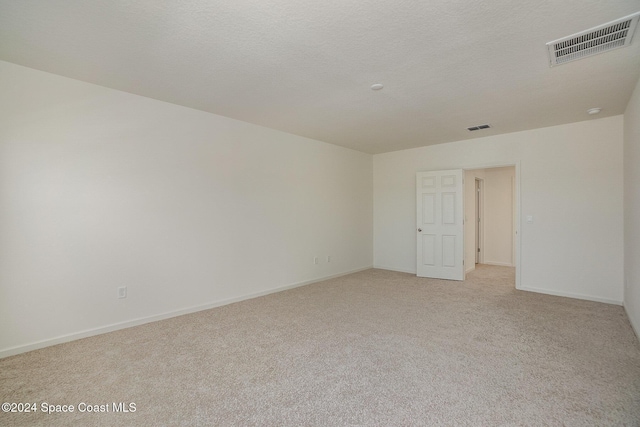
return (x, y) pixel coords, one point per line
(570, 182)
(101, 189)
(632, 209)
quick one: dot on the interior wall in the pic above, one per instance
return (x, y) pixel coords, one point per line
(570, 183)
(632, 209)
(101, 189)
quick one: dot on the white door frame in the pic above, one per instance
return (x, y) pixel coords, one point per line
(518, 252)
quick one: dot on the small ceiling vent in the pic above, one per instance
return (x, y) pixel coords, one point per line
(611, 35)
(479, 127)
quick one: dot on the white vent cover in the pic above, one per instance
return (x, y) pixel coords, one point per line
(611, 35)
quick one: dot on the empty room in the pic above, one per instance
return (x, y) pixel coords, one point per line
(302, 213)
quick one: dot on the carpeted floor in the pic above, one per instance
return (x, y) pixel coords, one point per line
(375, 348)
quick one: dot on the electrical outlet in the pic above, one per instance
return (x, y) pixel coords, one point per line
(122, 292)
(315, 259)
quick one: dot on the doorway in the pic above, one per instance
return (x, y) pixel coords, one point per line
(491, 217)
(478, 220)
(497, 235)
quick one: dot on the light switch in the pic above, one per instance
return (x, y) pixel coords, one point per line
(530, 219)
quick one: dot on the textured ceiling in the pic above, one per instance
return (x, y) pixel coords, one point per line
(305, 66)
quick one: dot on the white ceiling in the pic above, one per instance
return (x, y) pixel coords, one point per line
(306, 66)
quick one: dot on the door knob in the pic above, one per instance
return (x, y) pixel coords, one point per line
(419, 230)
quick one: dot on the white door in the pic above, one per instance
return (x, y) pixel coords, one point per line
(439, 198)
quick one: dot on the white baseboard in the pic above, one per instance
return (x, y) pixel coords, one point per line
(635, 326)
(12, 351)
(382, 267)
(501, 264)
(470, 269)
(571, 295)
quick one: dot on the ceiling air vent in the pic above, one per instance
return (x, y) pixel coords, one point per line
(611, 35)
(479, 127)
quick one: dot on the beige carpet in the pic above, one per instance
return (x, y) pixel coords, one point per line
(375, 348)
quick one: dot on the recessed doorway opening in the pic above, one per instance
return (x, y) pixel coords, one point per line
(478, 220)
(467, 217)
(490, 225)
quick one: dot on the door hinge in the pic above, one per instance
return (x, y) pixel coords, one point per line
(478, 250)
